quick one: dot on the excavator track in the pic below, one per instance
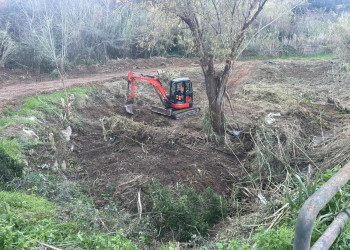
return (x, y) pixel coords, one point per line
(177, 114)
(180, 114)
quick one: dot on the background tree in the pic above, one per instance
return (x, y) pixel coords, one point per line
(7, 45)
(218, 28)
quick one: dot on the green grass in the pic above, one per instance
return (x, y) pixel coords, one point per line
(28, 206)
(15, 119)
(12, 148)
(49, 103)
(29, 221)
(39, 106)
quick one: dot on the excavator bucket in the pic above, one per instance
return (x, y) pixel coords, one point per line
(128, 107)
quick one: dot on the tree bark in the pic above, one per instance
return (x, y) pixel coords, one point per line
(215, 84)
(216, 114)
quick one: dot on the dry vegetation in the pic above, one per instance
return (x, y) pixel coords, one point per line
(115, 180)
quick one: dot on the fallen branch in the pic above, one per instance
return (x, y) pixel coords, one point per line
(49, 246)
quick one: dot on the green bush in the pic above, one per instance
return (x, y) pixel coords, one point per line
(182, 211)
(10, 167)
(275, 239)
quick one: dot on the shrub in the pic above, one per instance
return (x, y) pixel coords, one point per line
(341, 33)
(182, 211)
(7, 45)
(10, 167)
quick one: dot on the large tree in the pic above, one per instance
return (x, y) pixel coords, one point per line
(218, 28)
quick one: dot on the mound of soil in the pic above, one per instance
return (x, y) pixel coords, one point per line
(151, 146)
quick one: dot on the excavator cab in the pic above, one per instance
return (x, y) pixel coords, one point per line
(181, 92)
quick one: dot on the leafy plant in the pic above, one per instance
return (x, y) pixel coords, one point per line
(232, 245)
(336, 205)
(304, 191)
(182, 211)
(275, 239)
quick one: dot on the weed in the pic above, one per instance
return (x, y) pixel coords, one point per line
(304, 191)
(232, 245)
(275, 239)
(182, 211)
(208, 129)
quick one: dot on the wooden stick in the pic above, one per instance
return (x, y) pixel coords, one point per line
(48, 246)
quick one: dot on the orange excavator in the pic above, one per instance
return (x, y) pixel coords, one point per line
(178, 104)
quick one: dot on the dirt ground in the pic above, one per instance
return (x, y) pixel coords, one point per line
(175, 151)
(151, 146)
(16, 84)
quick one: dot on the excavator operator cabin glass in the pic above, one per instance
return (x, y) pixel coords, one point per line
(188, 86)
(180, 91)
(178, 86)
(172, 91)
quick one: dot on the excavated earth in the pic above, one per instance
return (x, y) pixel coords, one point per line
(173, 151)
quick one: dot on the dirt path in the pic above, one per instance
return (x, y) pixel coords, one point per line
(275, 74)
(11, 92)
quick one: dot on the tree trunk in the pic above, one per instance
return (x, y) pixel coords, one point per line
(216, 88)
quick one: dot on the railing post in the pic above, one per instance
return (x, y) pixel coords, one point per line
(330, 235)
(314, 204)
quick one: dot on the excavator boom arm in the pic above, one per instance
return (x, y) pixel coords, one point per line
(153, 80)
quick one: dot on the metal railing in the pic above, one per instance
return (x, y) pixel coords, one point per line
(312, 207)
